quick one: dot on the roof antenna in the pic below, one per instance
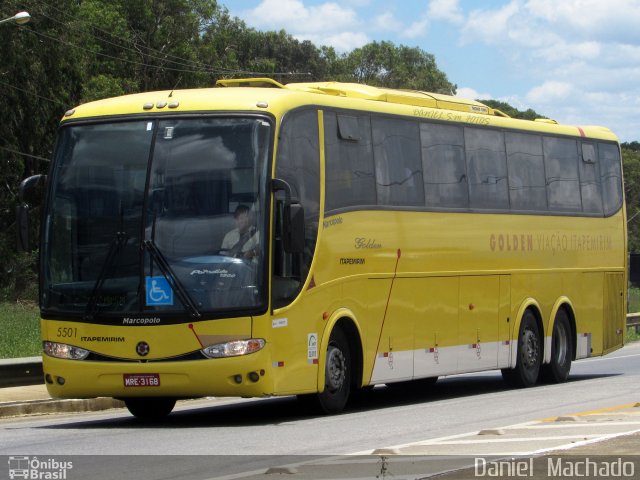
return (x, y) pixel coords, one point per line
(174, 87)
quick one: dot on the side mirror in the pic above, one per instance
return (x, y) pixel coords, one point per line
(22, 217)
(22, 211)
(293, 228)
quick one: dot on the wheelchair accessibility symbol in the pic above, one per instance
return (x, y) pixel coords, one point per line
(159, 292)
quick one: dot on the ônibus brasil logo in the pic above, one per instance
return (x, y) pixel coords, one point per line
(38, 469)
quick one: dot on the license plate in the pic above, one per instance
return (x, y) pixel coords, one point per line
(141, 379)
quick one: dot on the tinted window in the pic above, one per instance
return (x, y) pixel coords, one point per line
(349, 175)
(561, 167)
(486, 168)
(590, 179)
(527, 189)
(396, 150)
(298, 163)
(445, 177)
(609, 157)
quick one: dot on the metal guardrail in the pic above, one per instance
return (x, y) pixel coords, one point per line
(633, 320)
(20, 372)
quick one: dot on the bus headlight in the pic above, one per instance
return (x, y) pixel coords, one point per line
(62, 350)
(234, 349)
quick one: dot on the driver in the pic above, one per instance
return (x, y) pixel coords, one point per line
(242, 241)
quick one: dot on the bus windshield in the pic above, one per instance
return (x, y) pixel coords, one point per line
(157, 217)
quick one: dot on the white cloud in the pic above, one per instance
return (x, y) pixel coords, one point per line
(386, 22)
(468, 92)
(448, 10)
(417, 29)
(549, 92)
(490, 26)
(595, 19)
(328, 23)
(342, 42)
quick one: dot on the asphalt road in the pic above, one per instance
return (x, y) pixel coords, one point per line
(224, 437)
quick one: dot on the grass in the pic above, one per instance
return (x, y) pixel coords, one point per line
(19, 330)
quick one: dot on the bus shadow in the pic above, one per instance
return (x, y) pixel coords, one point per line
(278, 410)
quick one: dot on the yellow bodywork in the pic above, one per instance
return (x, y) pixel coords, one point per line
(429, 293)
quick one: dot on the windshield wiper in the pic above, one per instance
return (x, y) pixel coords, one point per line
(118, 242)
(171, 277)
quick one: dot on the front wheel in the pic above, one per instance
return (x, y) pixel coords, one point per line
(529, 355)
(557, 371)
(150, 408)
(337, 377)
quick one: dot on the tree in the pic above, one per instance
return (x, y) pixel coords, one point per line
(383, 64)
(513, 112)
(631, 168)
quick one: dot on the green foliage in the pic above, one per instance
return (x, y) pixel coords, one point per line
(385, 65)
(20, 327)
(631, 170)
(635, 146)
(513, 112)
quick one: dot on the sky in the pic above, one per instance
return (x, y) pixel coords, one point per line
(576, 61)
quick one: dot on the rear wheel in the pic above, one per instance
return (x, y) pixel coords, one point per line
(150, 408)
(529, 355)
(557, 371)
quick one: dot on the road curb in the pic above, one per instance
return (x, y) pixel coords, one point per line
(43, 407)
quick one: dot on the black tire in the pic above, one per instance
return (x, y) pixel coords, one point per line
(150, 408)
(529, 354)
(337, 377)
(557, 371)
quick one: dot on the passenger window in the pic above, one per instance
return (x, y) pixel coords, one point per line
(609, 156)
(525, 163)
(486, 168)
(396, 151)
(349, 175)
(590, 185)
(445, 175)
(561, 168)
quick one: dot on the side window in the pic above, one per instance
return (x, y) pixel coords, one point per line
(298, 163)
(396, 152)
(590, 179)
(349, 175)
(445, 172)
(561, 168)
(486, 168)
(527, 187)
(611, 175)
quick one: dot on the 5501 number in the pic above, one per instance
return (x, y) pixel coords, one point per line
(67, 332)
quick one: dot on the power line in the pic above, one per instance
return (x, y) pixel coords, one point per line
(194, 65)
(135, 46)
(31, 93)
(198, 67)
(25, 154)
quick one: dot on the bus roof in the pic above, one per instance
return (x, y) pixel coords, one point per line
(265, 94)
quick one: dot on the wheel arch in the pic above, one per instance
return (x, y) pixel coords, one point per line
(529, 304)
(345, 320)
(562, 303)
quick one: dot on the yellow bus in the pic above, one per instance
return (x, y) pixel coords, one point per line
(313, 239)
